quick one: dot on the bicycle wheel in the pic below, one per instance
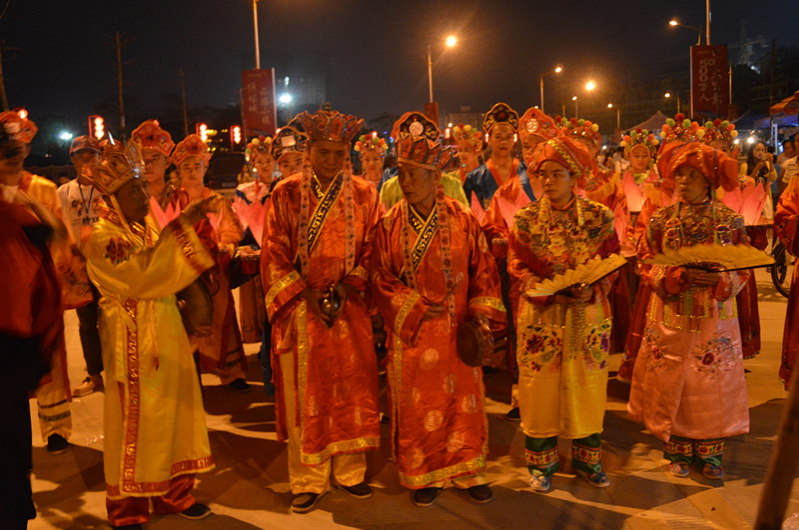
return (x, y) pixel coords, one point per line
(782, 270)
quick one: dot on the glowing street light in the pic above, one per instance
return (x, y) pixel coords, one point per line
(674, 23)
(590, 85)
(557, 70)
(576, 115)
(64, 135)
(668, 95)
(285, 99)
(450, 41)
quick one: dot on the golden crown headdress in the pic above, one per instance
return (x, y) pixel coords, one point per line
(329, 125)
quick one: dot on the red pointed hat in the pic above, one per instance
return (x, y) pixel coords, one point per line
(190, 146)
(150, 135)
(718, 168)
(536, 122)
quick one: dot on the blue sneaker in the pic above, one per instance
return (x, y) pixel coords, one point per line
(540, 482)
(597, 480)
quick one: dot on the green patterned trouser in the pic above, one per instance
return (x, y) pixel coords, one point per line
(679, 450)
(542, 454)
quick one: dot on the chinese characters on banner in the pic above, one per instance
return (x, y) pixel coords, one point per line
(258, 107)
(710, 86)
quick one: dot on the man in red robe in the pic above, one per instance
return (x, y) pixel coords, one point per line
(432, 271)
(317, 246)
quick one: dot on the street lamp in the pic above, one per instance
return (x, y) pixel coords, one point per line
(668, 95)
(674, 23)
(255, 23)
(618, 115)
(451, 41)
(576, 115)
(557, 70)
(589, 86)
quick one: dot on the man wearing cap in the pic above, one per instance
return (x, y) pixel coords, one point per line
(52, 395)
(431, 273)
(79, 206)
(417, 124)
(156, 147)
(154, 424)
(314, 267)
(500, 125)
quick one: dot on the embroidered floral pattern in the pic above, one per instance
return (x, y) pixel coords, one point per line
(652, 343)
(595, 355)
(543, 347)
(716, 356)
(117, 250)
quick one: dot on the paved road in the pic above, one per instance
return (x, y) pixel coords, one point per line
(249, 487)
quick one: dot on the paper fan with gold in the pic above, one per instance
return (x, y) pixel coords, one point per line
(713, 257)
(589, 272)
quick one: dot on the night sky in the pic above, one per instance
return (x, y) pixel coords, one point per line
(66, 63)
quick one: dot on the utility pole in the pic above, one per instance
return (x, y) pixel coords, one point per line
(119, 82)
(183, 100)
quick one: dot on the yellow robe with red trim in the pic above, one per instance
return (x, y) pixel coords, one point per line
(438, 420)
(154, 418)
(336, 369)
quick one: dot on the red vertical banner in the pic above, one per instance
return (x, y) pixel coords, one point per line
(258, 105)
(431, 111)
(710, 84)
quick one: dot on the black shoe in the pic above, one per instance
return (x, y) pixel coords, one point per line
(514, 415)
(426, 496)
(239, 385)
(304, 502)
(359, 491)
(196, 511)
(56, 444)
(480, 494)
(136, 526)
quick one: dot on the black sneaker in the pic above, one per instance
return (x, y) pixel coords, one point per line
(57, 444)
(480, 494)
(426, 496)
(239, 385)
(359, 491)
(196, 511)
(514, 415)
(304, 502)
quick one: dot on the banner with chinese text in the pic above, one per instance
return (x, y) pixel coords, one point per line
(710, 85)
(258, 106)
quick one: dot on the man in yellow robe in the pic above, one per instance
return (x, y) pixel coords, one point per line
(155, 433)
(316, 252)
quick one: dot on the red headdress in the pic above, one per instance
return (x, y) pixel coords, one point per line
(640, 138)
(416, 144)
(574, 128)
(715, 165)
(329, 125)
(150, 135)
(260, 145)
(679, 129)
(565, 151)
(536, 122)
(500, 113)
(288, 140)
(17, 127)
(718, 130)
(371, 142)
(190, 146)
